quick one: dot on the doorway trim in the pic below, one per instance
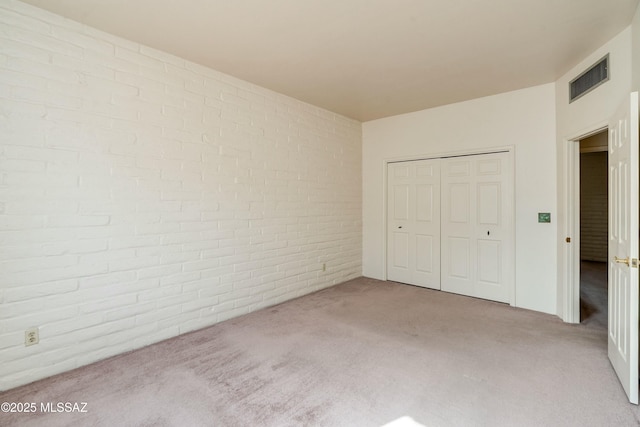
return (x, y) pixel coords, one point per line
(571, 271)
(510, 149)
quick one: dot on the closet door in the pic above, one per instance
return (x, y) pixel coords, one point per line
(413, 223)
(477, 224)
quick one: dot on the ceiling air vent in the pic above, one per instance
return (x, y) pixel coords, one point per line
(590, 79)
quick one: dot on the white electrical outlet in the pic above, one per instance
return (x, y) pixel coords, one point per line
(31, 337)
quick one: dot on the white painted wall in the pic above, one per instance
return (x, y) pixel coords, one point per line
(143, 196)
(597, 106)
(635, 46)
(524, 119)
(582, 116)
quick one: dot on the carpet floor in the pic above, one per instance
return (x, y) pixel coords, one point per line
(363, 353)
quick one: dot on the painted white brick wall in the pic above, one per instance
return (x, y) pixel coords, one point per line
(143, 196)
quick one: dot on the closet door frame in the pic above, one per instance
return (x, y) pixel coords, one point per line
(510, 150)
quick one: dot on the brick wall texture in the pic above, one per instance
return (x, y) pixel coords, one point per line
(143, 196)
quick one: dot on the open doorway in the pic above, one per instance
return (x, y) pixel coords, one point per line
(594, 210)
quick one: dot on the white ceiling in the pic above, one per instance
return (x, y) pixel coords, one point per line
(368, 59)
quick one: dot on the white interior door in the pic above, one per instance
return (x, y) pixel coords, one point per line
(477, 215)
(623, 246)
(413, 223)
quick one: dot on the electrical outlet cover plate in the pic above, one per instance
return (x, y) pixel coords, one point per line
(31, 337)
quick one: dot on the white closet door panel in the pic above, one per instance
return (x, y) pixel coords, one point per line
(488, 166)
(424, 253)
(490, 283)
(459, 203)
(489, 203)
(478, 209)
(459, 258)
(494, 220)
(458, 206)
(489, 256)
(424, 203)
(401, 202)
(413, 228)
(458, 167)
(399, 245)
(401, 250)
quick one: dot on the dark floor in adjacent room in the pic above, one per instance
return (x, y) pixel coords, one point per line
(593, 294)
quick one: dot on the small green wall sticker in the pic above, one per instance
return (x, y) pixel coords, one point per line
(544, 217)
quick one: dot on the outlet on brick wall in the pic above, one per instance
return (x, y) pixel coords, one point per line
(145, 196)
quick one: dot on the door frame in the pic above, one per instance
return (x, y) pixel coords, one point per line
(570, 273)
(509, 149)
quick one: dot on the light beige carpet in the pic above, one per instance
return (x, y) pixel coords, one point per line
(363, 353)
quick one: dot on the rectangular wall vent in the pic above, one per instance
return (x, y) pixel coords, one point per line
(590, 79)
